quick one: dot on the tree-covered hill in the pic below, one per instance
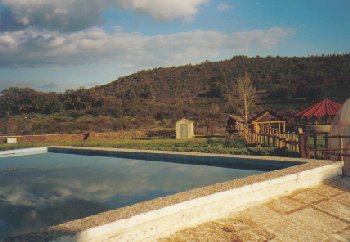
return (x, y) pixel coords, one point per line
(158, 97)
(297, 77)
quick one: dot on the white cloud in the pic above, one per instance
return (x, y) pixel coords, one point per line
(224, 6)
(68, 15)
(34, 48)
(164, 9)
(72, 15)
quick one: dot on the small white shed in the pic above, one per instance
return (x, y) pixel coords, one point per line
(184, 129)
(11, 140)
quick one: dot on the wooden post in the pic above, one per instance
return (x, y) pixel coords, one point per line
(279, 128)
(293, 143)
(248, 135)
(341, 147)
(302, 146)
(275, 135)
(271, 136)
(282, 140)
(297, 142)
(263, 139)
(256, 138)
(315, 144)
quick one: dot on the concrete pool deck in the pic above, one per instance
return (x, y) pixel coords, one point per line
(160, 217)
(316, 214)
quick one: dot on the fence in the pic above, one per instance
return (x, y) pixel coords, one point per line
(271, 138)
(295, 143)
(336, 154)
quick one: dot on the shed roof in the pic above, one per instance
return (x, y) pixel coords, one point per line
(266, 116)
(325, 108)
(184, 120)
(235, 118)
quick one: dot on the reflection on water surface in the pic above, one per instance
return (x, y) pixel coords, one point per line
(42, 190)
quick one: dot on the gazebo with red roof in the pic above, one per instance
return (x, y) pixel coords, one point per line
(319, 113)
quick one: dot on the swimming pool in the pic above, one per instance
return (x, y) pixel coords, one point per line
(162, 216)
(41, 190)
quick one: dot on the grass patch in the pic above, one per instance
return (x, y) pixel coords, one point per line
(206, 145)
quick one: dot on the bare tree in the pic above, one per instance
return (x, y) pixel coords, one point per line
(246, 94)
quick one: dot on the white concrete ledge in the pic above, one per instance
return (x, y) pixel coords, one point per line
(159, 223)
(25, 151)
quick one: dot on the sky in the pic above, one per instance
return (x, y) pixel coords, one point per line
(54, 45)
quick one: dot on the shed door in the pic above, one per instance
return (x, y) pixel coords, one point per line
(183, 131)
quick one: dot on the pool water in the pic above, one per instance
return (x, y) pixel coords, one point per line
(38, 191)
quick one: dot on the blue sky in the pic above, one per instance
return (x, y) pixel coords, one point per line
(53, 45)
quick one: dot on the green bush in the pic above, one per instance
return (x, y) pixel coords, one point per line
(214, 145)
(260, 151)
(235, 143)
(284, 152)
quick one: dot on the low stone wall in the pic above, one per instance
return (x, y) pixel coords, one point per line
(128, 134)
(45, 138)
(22, 152)
(227, 161)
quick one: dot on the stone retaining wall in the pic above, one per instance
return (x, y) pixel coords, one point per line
(128, 134)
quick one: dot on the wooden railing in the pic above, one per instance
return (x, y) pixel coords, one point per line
(271, 138)
(330, 154)
(295, 143)
(336, 154)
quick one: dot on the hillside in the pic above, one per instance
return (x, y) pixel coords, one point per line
(157, 97)
(281, 79)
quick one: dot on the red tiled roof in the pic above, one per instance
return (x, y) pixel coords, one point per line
(325, 108)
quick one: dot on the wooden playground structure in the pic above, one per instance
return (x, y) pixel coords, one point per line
(294, 142)
(269, 130)
(270, 137)
(267, 121)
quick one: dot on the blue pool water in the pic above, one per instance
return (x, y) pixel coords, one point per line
(42, 190)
